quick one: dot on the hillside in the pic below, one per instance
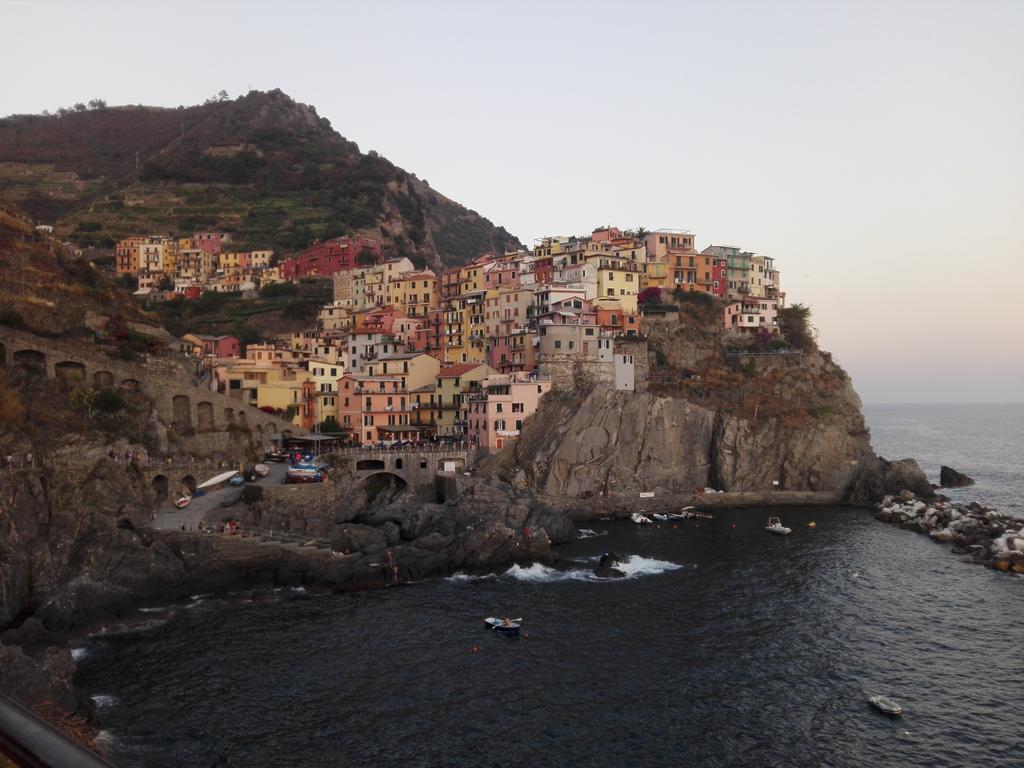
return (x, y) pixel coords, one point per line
(263, 167)
(48, 291)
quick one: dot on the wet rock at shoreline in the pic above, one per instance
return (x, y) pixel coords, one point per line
(950, 478)
(606, 567)
(988, 536)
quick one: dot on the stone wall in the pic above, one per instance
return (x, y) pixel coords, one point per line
(201, 420)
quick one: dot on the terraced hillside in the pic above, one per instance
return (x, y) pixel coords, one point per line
(263, 167)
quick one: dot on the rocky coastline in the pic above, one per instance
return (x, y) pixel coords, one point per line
(981, 534)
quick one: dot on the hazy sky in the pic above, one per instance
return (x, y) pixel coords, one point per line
(875, 149)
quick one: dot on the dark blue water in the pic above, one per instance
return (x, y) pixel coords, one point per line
(984, 440)
(726, 647)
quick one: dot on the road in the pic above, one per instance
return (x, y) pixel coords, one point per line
(206, 508)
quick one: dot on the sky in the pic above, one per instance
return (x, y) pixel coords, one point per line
(875, 149)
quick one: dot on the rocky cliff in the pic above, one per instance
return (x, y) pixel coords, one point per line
(711, 417)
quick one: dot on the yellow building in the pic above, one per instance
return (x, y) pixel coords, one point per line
(453, 386)
(414, 293)
(655, 275)
(615, 276)
(414, 369)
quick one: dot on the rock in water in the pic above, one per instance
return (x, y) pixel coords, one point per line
(950, 478)
(606, 567)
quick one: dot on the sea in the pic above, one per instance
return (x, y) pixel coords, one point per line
(984, 441)
(721, 646)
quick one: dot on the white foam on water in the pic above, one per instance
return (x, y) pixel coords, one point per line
(154, 610)
(471, 577)
(589, 533)
(77, 654)
(104, 700)
(646, 566)
(634, 567)
(300, 590)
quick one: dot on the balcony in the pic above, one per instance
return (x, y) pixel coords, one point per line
(507, 432)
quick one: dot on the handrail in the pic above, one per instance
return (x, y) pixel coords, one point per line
(33, 743)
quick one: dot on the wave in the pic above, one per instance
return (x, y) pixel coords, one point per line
(162, 609)
(77, 654)
(589, 533)
(634, 567)
(104, 700)
(471, 577)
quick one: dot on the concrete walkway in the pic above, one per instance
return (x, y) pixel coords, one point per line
(206, 508)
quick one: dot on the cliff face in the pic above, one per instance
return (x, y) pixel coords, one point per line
(710, 418)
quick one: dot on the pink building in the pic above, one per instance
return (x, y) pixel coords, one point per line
(210, 242)
(496, 415)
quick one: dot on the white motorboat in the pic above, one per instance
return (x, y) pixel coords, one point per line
(775, 526)
(639, 519)
(216, 480)
(886, 705)
(506, 626)
(659, 517)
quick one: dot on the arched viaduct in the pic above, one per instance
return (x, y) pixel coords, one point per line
(181, 404)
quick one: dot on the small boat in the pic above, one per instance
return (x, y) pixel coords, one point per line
(775, 526)
(218, 479)
(676, 516)
(886, 705)
(692, 514)
(812, 524)
(305, 473)
(262, 470)
(182, 502)
(507, 627)
(659, 517)
(236, 480)
(639, 519)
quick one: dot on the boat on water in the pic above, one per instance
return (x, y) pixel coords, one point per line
(236, 480)
(182, 501)
(775, 526)
(223, 477)
(692, 514)
(886, 705)
(659, 517)
(639, 519)
(508, 627)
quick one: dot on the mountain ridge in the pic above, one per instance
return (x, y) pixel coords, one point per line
(263, 167)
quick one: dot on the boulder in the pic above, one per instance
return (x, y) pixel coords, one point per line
(606, 566)
(950, 478)
(352, 537)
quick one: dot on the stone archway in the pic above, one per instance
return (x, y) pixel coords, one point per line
(188, 483)
(204, 417)
(182, 408)
(69, 372)
(30, 361)
(229, 417)
(160, 486)
(102, 380)
(3, 354)
(242, 421)
(131, 385)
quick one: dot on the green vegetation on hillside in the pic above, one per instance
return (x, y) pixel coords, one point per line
(262, 167)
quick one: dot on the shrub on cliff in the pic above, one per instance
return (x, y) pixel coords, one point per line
(795, 322)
